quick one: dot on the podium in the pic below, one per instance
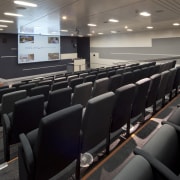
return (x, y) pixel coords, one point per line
(77, 65)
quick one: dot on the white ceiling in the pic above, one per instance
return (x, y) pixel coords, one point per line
(46, 18)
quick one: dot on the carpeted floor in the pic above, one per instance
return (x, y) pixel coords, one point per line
(108, 167)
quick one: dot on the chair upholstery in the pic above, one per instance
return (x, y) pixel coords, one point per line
(59, 85)
(164, 147)
(52, 147)
(96, 122)
(177, 80)
(90, 78)
(100, 86)
(16, 85)
(101, 75)
(59, 79)
(122, 109)
(111, 73)
(82, 93)
(58, 100)
(45, 82)
(139, 102)
(127, 78)
(6, 90)
(138, 168)
(4, 86)
(115, 82)
(44, 89)
(25, 117)
(74, 82)
(27, 87)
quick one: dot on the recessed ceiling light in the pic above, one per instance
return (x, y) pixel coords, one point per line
(25, 3)
(64, 17)
(64, 30)
(125, 27)
(5, 26)
(113, 32)
(113, 20)
(176, 24)
(1, 29)
(100, 33)
(12, 14)
(149, 27)
(89, 34)
(93, 32)
(129, 30)
(80, 35)
(72, 34)
(91, 24)
(144, 13)
(6, 21)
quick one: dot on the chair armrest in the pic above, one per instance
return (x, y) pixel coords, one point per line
(160, 167)
(28, 153)
(177, 127)
(6, 122)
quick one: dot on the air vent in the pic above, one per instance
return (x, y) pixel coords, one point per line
(20, 8)
(171, 5)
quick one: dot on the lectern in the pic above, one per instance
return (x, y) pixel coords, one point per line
(77, 65)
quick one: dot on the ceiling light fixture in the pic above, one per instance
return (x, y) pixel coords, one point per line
(100, 33)
(12, 14)
(113, 32)
(113, 20)
(6, 21)
(149, 27)
(23, 3)
(64, 30)
(176, 24)
(144, 13)
(4, 26)
(91, 24)
(1, 29)
(64, 17)
(130, 30)
(125, 27)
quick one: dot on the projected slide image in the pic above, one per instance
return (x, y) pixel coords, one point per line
(53, 40)
(53, 56)
(26, 58)
(26, 39)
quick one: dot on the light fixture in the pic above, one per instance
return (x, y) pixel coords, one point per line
(129, 30)
(100, 33)
(4, 26)
(89, 34)
(64, 17)
(1, 29)
(6, 21)
(176, 24)
(12, 14)
(149, 27)
(144, 13)
(23, 3)
(92, 25)
(125, 27)
(64, 30)
(113, 32)
(93, 32)
(113, 20)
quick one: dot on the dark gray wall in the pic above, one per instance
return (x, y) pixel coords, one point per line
(9, 67)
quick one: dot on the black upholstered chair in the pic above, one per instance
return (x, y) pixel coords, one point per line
(127, 78)
(45, 82)
(163, 149)
(74, 82)
(120, 71)
(4, 86)
(111, 73)
(101, 75)
(115, 82)
(25, 117)
(177, 81)
(152, 92)
(122, 110)
(96, 123)
(90, 78)
(44, 89)
(82, 93)
(100, 86)
(59, 79)
(6, 90)
(139, 103)
(27, 87)
(59, 85)
(58, 100)
(52, 150)
(139, 168)
(16, 85)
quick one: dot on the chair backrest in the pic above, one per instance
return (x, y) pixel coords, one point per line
(60, 79)
(58, 142)
(111, 72)
(96, 120)
(100, 86)
(58, 100)
(82, 93)
(101, 75)
(127, 78)
(4, 86)
(27, 87)
(6, 90)
(90, 78)
(44, 89)
(27, 115)
(16, 85)
(139, 103)
(9, 99)
(137, 168)
(74, 82)
(120, 71)
(45, 82)
(115, 82)
(59, 85)
(177, 79)
(153, 89)
(123, 105)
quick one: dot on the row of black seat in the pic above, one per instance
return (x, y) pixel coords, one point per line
(159, 158)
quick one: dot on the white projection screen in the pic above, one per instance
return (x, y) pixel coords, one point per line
(38, 48)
